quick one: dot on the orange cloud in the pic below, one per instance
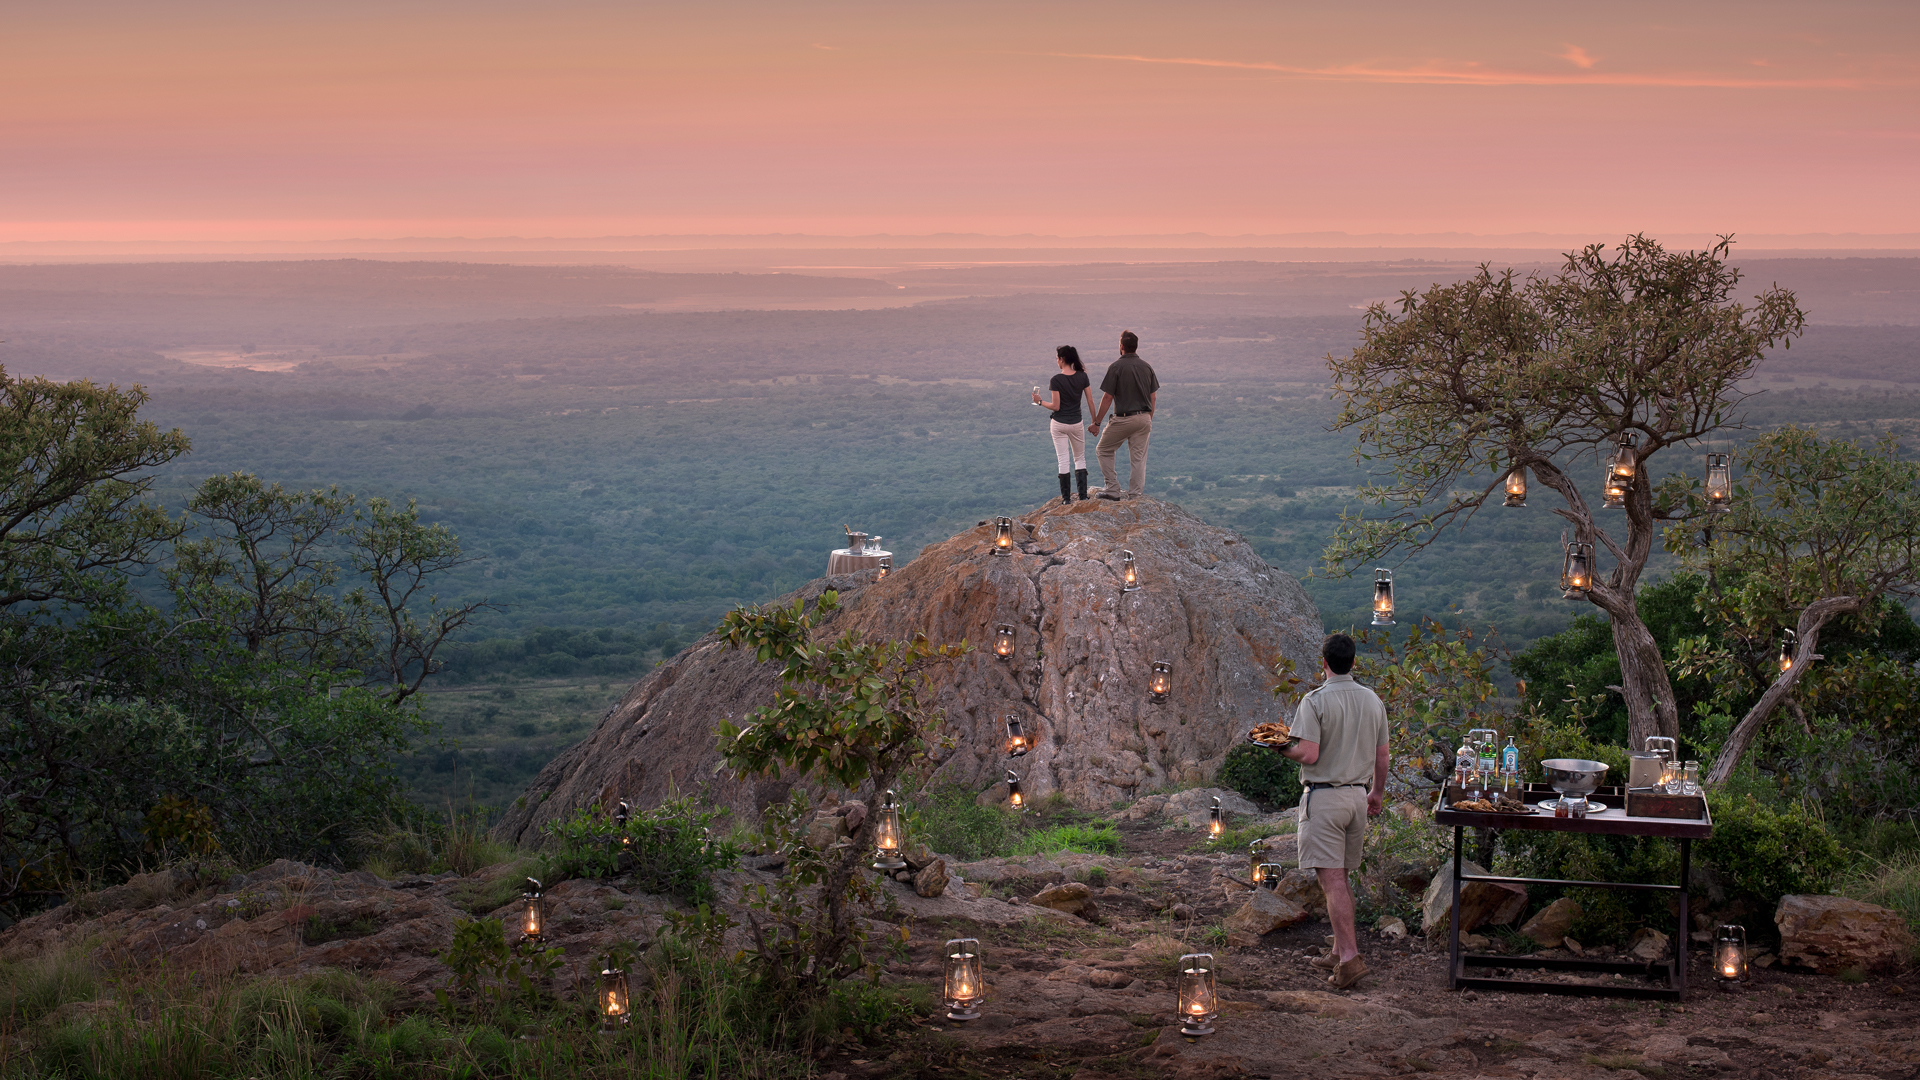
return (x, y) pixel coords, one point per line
(1471, 74)
(1578, 57)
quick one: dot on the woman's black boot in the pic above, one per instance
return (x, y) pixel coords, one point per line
(1079, 475)
(1066, 492)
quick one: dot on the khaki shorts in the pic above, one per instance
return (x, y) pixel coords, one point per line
(1331, 838)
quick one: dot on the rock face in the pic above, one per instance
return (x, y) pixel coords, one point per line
(1078, 680)
(1832, 933)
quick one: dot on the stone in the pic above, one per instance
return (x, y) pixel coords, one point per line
(1550, 924)
(1392, 929)
(1481, 902)
(825, 828)
(1072, 897)
(1142, 809)
(1242, 939)
(1412, 877)
(855, 814)
(1195, 805)
(1474, 941)
(1647, 944)
(932, 880)
(1572, 946)
(917, 856)
(1264, 912)
(1302, 887)
(1210, 602)
(1833, 933)
(1181, 913)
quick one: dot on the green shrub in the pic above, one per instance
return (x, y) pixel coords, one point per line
(669, 849)
(1893, 884)
(1263, 775)
(1096, 839)
(1764, 853)
(951, 822)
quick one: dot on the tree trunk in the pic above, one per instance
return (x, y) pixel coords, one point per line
(1651, 709)
(1813, 618)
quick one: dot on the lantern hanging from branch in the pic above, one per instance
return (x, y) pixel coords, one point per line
(1199, 997)
(1160, 682)
(620, 816)
(1014, 797)
(1730, 956)
(1129, 572)
(533, 922)
(1576, 573)
(1719, 487)
(1003, 641)
(1016, 737)
(1620, 473)
(1787, 644)
(1516, 487)
(1003, 536)
(965, 983)
(886, 567)
(887, 839)
(614, 1007)
(1216, 819)
(1382, 597)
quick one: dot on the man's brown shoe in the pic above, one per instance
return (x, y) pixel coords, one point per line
(1348, 973)
(1325, 963)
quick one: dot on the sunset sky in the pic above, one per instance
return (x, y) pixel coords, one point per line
(255, 120)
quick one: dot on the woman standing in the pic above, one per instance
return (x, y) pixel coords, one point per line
(1062, 402)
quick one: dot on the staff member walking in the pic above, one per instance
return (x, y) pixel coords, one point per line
(1342, 728)
(1131, 390)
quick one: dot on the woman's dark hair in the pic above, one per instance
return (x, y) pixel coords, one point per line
(1072, 356)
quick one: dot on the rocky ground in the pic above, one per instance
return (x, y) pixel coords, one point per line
(1078, 994)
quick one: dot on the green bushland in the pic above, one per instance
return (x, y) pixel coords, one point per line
(1269, 778)
(1094, 839)
(667, 849)
(1893, 884)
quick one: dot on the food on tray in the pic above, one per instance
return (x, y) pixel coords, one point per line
(1274, 734)
(1499, 804)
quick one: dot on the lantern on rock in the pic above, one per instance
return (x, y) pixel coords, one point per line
(1576, 573)
(1014, 798)
(1216, 819)
(1620, 472)
(1016, 737)
(1719, 487)
(1516, 487)
(1270, 875)
(612, 999)
(1787, 642)
(887, 839)
(1003, 536)
(1199, 997)
(1730, 956)
(1129, 572)
(1003, 641)
(1256, 858)
(965, 985)
(1382, 597)
(1160, 681)
(533, 922)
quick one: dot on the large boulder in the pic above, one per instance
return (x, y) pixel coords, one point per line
(1549, 926)
(1481, 902)
(1264, 912)
(1832, 933)
(1072, 897)
(1208, 604)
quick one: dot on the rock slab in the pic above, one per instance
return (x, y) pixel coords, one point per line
(1481, 902)
(1550, 924)
(1832, 933)
(1264, 912)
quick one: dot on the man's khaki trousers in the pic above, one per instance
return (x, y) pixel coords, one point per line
(1132, 430)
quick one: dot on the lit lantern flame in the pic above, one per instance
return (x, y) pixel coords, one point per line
(1129, 572)
(620, 817)
(614, 1010)
(1216, 819)
(1270, 875)
(1016, 737)
(1014, 798)
(1003, 536)
(1382, 597)
(1730, 954)
(1786, 651)
(1576, 574)
(1161, 681)
(1517, 487)
(1199, 999)
(887, 836)
(1620, 472)
(533, 924)
(1003, 642)
(1719, 484)
(1256, 861)
(886, 567)
(965, 986)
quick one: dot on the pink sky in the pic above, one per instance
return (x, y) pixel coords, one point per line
(274, 120)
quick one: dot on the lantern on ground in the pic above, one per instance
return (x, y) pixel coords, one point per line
(1730, 955)
(533, 922)
(1516, 487)
(965, 985)
(1129, 572)
(1382, 597)
(1786, 651)
(1216, 819)
(1270, 875)
(1003, 536)
(887, 838)
(1014, 798)
(614, 1008)
(1160, 681)
(1256, 860)
(1199, 998)
(886, 567)
(1016, 737)
(620, 816)
(1719, 488)
(1576, 573)
(1003, 642)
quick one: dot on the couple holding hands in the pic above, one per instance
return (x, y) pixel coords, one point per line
(1130, 391)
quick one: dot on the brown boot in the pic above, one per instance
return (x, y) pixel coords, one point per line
(1348, 973)
(1327, 962)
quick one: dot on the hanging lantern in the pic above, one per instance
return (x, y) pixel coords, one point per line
(1016, 737)
(1730, 956)
(1003, 536)
(620, 816)
(1003, 642)
(1270, 875)
(1516, 487)
(1620, 472)
(1129, 572)
(1014, 798)
(1382, 597)
(1216, 819)
(1199, 999)
(965, 985)
(886, 567)
(1576, 573)
(887, 838)
(1719, 484)
(614, 1009)
(1160, 681)
(533, 923)
(1787, 642)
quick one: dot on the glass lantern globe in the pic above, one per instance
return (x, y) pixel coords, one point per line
(1003, 641)
(1129, 572)
(1787, 644)
(886, 567)
(1199, 998)
(1576, 573)
(1160, 682)
(1216, 819)
(1015, 798)
(1256, 859)
(1719, 486)
(888, 837)
(533, 919)
(1730, 955)
(1620, 473)
(615, 1009)
(1003, 536)
(1382, 597)
(1270, 875)
(965, 985)
(620, 817)
(1016, 737)
(1516, 487)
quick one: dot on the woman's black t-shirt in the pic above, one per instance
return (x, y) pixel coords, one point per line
(1070, 388)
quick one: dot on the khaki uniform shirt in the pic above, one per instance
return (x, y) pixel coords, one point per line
(1132, 383)
(1349, 723)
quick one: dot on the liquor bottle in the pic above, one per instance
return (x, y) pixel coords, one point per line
(1489, 765)
(1465, 761)
(1510, 762)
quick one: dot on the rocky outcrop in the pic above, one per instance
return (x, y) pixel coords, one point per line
(1078, 681)
(1832, 933)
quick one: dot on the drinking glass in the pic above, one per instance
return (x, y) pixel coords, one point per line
(1692, 782)
(1676, 778)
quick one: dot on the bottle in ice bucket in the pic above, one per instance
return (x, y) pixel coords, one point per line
(1509, 765)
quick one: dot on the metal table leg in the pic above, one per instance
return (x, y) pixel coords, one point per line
(1455, 970)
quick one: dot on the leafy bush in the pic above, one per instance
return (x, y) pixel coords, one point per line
(489, 976)
(1893, 884)
(950, 821)
(1266, 777)
(1096, 839)
(668, 849)
(1765, 853)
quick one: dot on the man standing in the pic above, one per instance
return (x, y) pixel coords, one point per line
(1131, 390)
(1342, 731)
